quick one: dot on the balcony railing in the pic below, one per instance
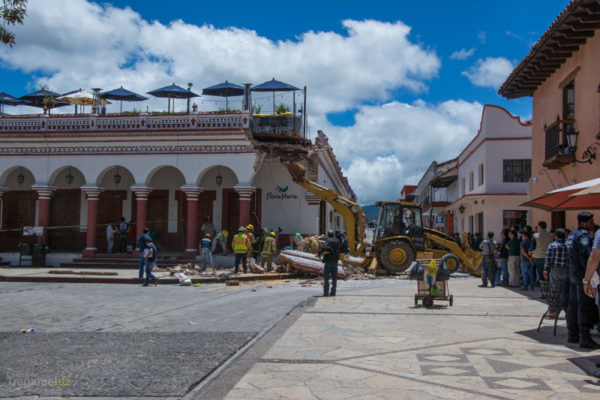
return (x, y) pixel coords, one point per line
(94, 123)
(276, 125)
(556, 149)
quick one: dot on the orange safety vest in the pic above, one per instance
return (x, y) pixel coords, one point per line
(240, 243)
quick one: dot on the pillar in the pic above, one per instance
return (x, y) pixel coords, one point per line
(245, 192)
(141, 198)
(191, 242)
(3, 189)
(92, 195)
(44, 193)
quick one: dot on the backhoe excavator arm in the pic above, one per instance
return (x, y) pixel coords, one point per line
(350, 211)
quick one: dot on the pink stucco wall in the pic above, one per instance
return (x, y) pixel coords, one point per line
(547, 104)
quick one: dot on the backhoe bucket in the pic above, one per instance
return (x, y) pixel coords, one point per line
(297, 170)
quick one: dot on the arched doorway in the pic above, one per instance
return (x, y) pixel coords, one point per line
(64, 233)
(18, 206)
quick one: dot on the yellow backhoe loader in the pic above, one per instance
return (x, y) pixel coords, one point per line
(399, 237)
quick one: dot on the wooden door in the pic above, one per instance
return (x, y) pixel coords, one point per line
(64, 220)
(110, 209)
(157, 216)
(18, 211)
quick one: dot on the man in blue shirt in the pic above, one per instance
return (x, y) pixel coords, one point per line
(582, 311)
(122, 227)
(205, 250)
(141, 244)
(150, 260)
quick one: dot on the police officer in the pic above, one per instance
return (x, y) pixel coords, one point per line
(581, 309)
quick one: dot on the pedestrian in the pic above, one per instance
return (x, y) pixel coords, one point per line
(541, 240)
(331, 254)
(593, 266)
(150, 254)
(141, 244)
(123, 227)
(257, 246)
(581, 311)
(556, 264)
(221, 240)
(110, 236)
(241, 244)
(268, 251)
(477, 239)
(527, 261)
(208, 227)
(512, 247)
(131, 236)
(502, 274)
(488, 247)
(205, 249)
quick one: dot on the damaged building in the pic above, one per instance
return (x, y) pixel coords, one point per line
(74, 174)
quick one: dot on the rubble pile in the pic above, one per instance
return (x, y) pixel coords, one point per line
(307, 262)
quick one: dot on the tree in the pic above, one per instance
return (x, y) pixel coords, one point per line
(12, 12)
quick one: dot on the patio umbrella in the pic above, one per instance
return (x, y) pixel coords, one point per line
(81, 97)
(225, 89)
(122, 95)
(7, 99)
(173, 92)
(36, 99)
(564, 199)
(275, 86)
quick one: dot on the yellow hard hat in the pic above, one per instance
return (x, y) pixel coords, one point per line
(273, 234)
(250, 226)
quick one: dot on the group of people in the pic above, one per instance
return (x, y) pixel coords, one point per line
(567, 259)
(125, 232)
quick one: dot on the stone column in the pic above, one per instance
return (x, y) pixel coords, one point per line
(44, 194)
(245, 192)
(191, 242)
(141, 198)
(92, 195)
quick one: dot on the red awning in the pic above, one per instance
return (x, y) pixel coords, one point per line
(563, 199)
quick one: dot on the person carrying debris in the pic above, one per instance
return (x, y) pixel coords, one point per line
(205, 250)
(331, 254)
(150, 260)
(241, 245)
(269, 249)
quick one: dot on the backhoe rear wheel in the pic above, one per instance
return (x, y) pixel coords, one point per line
(452, 262)
(396, 256)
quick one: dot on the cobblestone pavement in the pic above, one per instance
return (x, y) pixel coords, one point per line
(376, 344)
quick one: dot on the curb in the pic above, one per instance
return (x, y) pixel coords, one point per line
(136, 281)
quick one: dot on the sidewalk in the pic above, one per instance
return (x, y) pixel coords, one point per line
(375, 344)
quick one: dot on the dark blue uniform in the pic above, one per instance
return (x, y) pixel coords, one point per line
(581, 309)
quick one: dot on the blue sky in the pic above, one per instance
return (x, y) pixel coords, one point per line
(392, 62)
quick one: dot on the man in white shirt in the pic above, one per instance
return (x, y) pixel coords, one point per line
(110, 236)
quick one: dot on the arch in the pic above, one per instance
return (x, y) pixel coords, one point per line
(104, 178)
(208, 177)
(159, 173)
(9, 178)
(58, 178)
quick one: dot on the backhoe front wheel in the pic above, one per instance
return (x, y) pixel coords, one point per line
(396, 256)
(452, 262)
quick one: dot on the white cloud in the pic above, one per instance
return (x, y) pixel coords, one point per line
(74, 43)
(489, 72)
(382, 150)
(481, 36)
(462, 54)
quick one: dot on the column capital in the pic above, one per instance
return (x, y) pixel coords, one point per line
(44, 191)
(141, 192)
(3, 189)
(92, 192)
(192, 192)
(245, 191)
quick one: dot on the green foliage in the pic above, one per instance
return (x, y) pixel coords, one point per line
(48, 101)
(12, 12)
(282, 108)
(256, 108)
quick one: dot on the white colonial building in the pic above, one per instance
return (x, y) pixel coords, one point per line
(493, 174)
(75, 174)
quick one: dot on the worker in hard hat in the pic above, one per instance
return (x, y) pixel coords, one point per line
(221, 240)
(296, 241)
(241, 244)
(205, 250)
(268, 251)
(251, 238)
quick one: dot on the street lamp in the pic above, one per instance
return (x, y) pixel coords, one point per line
(188, 100)
(117, 177)
(20, 177)
(69, 177)
(219, 178)
(588, 154)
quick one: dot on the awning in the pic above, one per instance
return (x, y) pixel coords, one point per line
(561, 199)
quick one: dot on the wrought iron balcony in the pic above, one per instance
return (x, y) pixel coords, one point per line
(557, 152)
(267, 127)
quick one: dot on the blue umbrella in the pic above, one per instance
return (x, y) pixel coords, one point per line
(173, 92)
(7, 99)
(122, 95)
(36, 99)
(274, 86)
(225, 89)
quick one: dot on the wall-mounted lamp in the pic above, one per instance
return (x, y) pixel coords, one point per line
(588, 154)
(117, 177)
(461, 209)
(219, 178)
(20, 177)
(69, 177)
